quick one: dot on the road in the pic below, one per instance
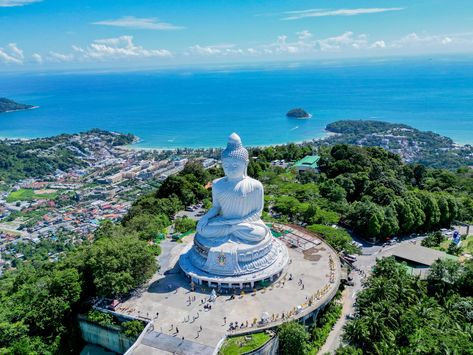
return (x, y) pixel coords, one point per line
(364, 264)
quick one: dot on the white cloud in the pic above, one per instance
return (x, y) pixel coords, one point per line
(296, 15)
(343, 40)
(139, 23)
(303, 11)
(60, 57)
(378, 44)
(303, 43)
(13, 3)
(17, 52)
(217, 49)
(425, 40)
(446, 40)
(37, 58)
(116, 48)
(303, 35)
(11, 55)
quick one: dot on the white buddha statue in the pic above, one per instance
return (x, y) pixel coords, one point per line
(237, 201)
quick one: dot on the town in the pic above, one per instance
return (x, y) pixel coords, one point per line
(66, 207)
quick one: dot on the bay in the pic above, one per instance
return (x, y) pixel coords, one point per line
(200, 107)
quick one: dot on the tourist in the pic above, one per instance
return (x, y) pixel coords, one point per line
(224, 320)
(177, 330)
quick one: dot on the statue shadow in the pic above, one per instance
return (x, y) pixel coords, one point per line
(174, 279)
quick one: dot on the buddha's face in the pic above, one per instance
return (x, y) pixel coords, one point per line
(234, 168)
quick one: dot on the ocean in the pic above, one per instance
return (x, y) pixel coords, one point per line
(200, 107)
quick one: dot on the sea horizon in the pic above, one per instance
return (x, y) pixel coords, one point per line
(198, 109)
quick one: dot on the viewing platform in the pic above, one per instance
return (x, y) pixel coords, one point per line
(183, 321)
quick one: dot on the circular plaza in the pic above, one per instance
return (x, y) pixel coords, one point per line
(188, 318)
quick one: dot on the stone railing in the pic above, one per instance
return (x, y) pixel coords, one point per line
(318, 299)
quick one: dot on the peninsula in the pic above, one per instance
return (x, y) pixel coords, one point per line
(298, 113)
(413, 145)
(7, 105)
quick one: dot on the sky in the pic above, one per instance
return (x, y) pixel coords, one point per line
(91, 34)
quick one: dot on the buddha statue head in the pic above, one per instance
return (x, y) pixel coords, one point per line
(235, 158)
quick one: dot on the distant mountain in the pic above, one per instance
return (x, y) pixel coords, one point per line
(7, 105)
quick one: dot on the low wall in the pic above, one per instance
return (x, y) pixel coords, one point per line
(108, 337)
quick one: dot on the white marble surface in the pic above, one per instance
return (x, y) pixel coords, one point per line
(232, 241)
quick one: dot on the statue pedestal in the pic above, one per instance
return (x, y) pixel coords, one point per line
(228, 263)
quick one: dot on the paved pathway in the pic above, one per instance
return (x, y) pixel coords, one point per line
(160, 343)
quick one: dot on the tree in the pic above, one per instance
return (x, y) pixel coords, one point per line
(292, 339)
(132, 329)
(119, 265)
(448, 209)
(287, 205)
(454, 249)
(150, 204)
(382, 195)
(184, 224)
(433, 240)
(196, 169)
(332, 191)
(367, 219)
(390, 224)
(186, 188)
(147, 226)
(431, 209)
(338, 238)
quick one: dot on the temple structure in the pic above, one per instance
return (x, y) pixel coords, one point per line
(233, 248)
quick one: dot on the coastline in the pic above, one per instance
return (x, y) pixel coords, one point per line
(21, 109)
(133, 146)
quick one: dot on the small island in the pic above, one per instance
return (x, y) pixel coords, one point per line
(7, 105)
(298, 113)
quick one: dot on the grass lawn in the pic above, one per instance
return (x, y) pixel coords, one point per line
(239, 345)
(467, 245)
(29, 195)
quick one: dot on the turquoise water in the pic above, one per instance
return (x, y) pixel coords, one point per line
(199, 108)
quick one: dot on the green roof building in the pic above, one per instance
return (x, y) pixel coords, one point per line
(309, 162)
